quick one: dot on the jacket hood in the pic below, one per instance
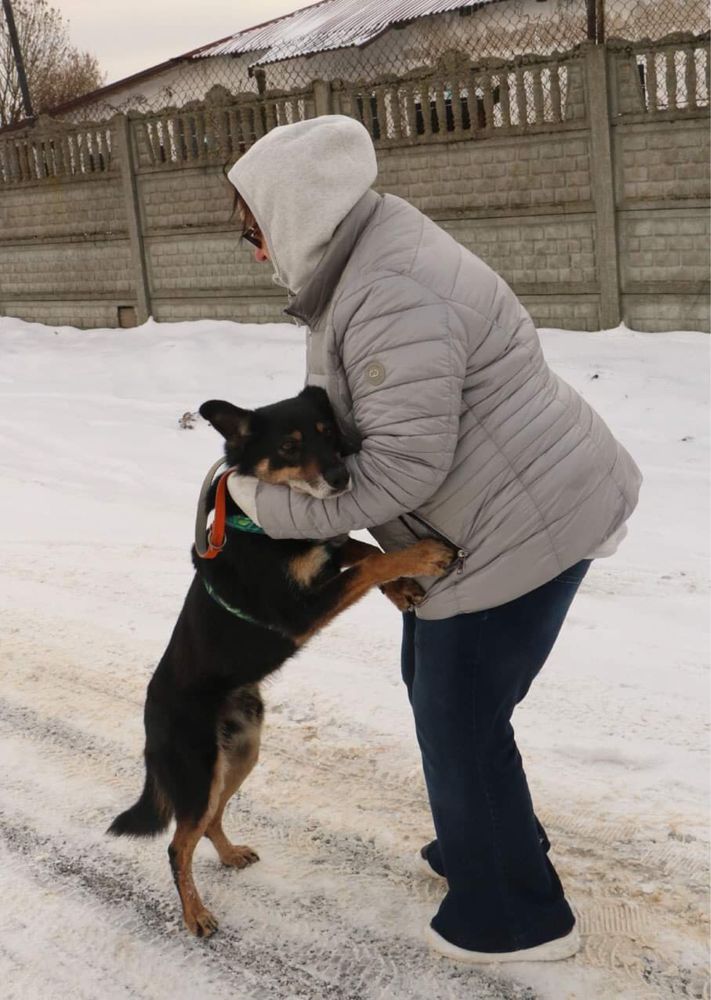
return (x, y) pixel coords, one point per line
(300, 182)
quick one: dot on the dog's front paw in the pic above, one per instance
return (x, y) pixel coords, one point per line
(405, 594)
(430, 557)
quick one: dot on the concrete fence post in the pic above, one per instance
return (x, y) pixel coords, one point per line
(124, 151)
(322, 97)
(603, 183)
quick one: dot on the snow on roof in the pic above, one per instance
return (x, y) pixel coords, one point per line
(325, 25)
(330, 24)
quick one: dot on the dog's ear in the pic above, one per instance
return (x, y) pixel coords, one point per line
(233, 423)
(319, 397)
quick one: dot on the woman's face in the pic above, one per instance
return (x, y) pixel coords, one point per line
(253, 235)
(261, 253)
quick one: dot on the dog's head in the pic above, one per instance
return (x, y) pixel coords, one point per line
(295, 442)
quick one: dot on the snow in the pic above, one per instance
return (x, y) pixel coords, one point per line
(98, 490)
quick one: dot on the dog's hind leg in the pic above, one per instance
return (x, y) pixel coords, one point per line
(238, 766)
(188, 832)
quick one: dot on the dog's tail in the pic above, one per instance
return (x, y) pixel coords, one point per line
(151, 814)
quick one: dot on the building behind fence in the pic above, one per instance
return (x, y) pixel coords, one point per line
(581, 176)
(363, 40)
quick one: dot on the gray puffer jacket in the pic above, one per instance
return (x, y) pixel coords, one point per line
(435, 369)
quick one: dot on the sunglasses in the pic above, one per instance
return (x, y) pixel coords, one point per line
(253, 236)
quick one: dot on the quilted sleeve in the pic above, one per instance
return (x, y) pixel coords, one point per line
(405, 369)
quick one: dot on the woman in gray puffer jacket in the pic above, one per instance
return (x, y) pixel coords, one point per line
(434, 369)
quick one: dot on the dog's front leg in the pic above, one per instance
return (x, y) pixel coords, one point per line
(354, 551)
(425, 558)
(404, 593)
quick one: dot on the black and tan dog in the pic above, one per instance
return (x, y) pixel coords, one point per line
(247, 611)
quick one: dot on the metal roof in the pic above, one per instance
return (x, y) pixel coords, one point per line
(330, 24)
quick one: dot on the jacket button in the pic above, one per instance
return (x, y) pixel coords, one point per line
(375, 373)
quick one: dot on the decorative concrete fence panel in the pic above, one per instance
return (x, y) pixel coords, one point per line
(582, 177)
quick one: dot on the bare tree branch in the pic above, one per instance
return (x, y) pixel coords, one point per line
(56, 70)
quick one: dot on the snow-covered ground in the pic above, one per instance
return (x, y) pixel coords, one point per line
(98, 484)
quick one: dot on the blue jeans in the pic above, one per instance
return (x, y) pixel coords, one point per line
(464, 676)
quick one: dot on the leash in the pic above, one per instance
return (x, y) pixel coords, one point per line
(237, 611)
(209, 544)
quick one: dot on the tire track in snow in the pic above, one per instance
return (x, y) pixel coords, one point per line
(334, 764)
(333, 851)
(289, 970)
(583, 828)
(615, 939)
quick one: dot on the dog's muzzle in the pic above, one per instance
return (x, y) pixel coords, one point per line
(321, 488)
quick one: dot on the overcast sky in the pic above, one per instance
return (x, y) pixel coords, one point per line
(131, 35)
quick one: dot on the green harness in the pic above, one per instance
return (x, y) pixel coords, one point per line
(243, 523)
(240, 522)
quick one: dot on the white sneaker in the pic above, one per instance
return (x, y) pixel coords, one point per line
(549, 951)
(423, 865)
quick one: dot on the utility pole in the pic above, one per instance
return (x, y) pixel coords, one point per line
(596, 20)
(600, 18)
(15, 42)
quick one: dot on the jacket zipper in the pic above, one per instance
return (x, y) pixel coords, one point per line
(461, 553)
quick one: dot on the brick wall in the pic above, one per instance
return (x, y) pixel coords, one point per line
(70, 208)
(496, 176)
(593, 211)
(662, 184)
(64, 252)
(196, 265)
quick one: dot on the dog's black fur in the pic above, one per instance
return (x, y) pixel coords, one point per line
(203, 709)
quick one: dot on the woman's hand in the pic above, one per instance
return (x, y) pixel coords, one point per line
(243, 490)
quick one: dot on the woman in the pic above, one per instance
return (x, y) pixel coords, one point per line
(435, 372)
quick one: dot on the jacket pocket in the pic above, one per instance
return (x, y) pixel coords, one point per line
(458, 567)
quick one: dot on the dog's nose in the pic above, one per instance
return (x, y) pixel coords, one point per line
(337, 477)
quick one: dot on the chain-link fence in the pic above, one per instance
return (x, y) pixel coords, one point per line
(480, 31)
(635, 20)
(502, 29)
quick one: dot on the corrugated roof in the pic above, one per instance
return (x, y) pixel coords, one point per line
(330, 24)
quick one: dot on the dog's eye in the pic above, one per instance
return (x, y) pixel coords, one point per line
(289, 447)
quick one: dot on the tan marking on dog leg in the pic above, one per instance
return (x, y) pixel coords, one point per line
(197, 917)
(425, 558)
(306, 567)
(237, 770)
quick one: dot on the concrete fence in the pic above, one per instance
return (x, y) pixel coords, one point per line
(582, 178)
